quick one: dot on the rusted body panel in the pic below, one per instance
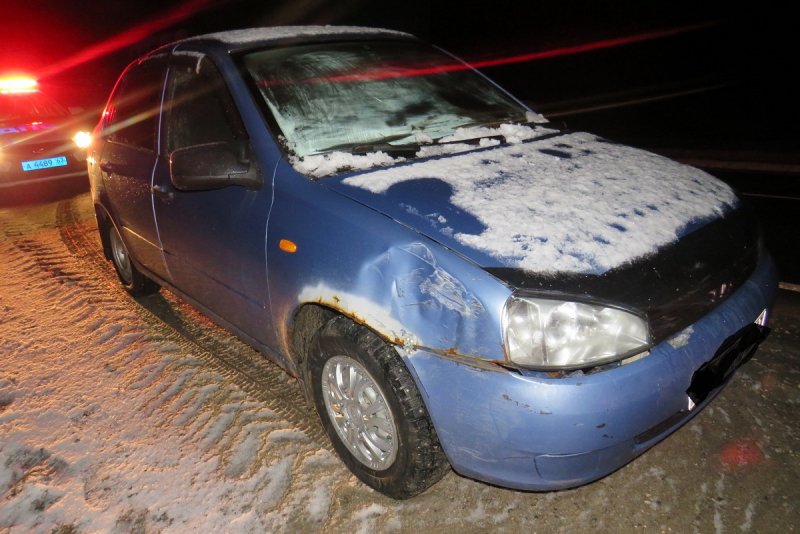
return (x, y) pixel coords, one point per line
(407, 288)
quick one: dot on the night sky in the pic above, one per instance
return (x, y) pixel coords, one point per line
(733, 45)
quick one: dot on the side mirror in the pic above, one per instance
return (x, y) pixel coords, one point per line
(213, 166)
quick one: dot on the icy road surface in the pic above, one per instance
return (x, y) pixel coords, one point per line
(136, 417)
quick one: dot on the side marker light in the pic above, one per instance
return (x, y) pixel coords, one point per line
(287, 246)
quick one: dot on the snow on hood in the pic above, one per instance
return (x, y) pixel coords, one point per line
(319, 165)
(565, 203)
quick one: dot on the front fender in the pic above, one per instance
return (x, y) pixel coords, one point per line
(407, 288)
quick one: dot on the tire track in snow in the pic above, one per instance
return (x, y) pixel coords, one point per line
(222, 423)
(231, 357)
(211, 401)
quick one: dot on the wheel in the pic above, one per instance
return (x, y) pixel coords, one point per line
(132, 280)
(372, 411)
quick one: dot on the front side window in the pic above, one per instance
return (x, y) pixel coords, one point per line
(334, 96)
(201, 109)
(132, 115)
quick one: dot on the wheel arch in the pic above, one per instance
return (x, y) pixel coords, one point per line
(308, 319)
(104, 219)
(420, 460)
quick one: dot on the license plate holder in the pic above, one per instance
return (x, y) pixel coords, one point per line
(732, 354)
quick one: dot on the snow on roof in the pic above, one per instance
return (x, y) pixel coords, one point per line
(568, 203)
(275, 33)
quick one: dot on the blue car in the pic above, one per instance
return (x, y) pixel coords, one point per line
(456, 282)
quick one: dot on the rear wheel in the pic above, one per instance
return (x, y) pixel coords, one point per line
(372, 411)
(132, 280)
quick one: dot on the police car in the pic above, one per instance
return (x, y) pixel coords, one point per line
(40, 140)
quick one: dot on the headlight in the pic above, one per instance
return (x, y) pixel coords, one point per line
(82, 139)
(555, 334)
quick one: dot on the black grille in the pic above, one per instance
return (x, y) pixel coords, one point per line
(674, 287)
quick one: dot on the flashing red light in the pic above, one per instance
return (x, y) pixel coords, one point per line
(128, 37)
(18, 84)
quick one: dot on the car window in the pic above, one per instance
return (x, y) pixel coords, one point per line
(131, 117)
(201, 110)
(332, 96)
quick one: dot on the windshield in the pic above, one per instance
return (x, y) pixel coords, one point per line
(29, 107)
(336, 96)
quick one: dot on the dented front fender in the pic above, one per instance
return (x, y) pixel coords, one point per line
(407, 288)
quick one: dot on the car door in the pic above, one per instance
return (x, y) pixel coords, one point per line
(128, 156)
(214, 240)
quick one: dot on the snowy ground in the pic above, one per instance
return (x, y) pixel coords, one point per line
(124, 416)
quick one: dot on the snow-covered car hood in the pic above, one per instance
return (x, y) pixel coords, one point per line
(565, 202)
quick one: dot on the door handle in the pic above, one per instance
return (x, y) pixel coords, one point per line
(163, 192)
(106, 166)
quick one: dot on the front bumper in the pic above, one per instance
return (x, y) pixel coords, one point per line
(533, 432)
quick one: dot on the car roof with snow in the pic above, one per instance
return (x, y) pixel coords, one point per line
(237, 40)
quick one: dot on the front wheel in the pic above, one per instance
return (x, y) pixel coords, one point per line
(132, 280)
(372, 411)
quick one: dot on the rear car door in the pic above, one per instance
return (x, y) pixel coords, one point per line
(128, 157)
(213, 240)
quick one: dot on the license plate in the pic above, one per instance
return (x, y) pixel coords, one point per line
(734, 352)
(38, 164)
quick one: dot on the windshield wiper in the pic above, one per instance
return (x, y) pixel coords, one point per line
(473, 140)
(373, 145)
(408, 149)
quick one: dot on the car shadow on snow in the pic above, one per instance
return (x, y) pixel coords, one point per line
(248, 368)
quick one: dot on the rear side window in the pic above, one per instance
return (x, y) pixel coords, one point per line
(132, 116)
(201, 109)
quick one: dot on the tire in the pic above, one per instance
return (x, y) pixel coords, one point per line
(353, 375)
(132, 280)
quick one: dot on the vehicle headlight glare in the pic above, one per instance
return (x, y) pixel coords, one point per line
(82, 139)
(556, 334)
